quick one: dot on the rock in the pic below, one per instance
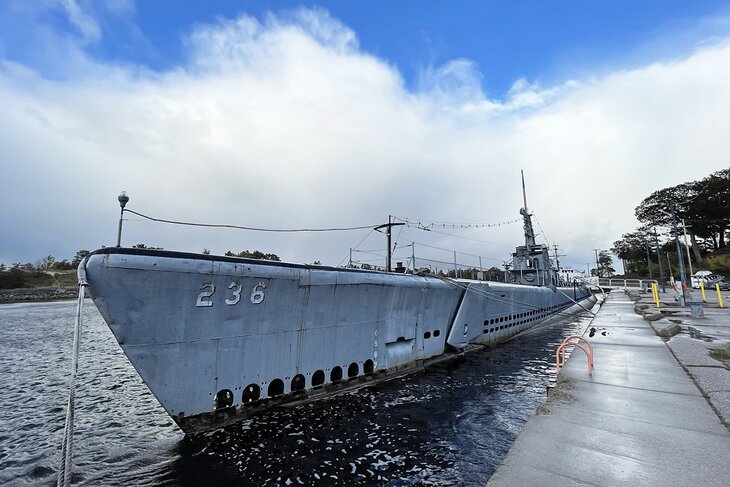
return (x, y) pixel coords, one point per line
(24, 295)
(722, 353)
(669, 330)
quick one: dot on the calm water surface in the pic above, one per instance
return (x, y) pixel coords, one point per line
(448, 425)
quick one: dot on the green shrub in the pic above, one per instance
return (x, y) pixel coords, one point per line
(11, 279)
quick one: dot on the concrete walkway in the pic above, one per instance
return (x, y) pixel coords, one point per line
(639, 420)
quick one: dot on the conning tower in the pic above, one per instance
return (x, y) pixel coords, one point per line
(531, 262)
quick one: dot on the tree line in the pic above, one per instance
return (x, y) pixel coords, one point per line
(48, 263)
(702, 215)
(18, 275)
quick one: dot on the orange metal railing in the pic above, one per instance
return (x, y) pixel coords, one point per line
(560, 352)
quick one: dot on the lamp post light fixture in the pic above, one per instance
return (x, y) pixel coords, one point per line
(123, 200)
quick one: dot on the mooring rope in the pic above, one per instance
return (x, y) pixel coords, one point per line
(66, 464)
(576, 302)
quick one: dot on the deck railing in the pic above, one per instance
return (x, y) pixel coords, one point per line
(615, 283)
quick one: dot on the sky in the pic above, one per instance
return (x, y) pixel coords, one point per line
(282, 114)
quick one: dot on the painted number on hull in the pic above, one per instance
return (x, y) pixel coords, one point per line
(204, 297)
(236, 293)
(257, 295)
(208, 289)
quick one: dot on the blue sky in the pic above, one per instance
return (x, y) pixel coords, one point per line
(542, 41)
(290, 114)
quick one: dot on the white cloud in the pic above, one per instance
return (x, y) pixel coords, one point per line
(121, 7)
(523, 94)
(285, 122)
(457, 82)
(88, 27)
(245, 43)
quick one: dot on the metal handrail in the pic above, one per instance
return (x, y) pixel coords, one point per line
(560, 352)
(625, 283)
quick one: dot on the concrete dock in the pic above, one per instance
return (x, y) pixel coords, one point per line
(656, 410)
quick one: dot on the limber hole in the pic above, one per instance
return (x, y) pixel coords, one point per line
(251, 393)
(318, 378)
(223, 399)
(276, 388)
(353, 370)
(298, 383)
(336, 374)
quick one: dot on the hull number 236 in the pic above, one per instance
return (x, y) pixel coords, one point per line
(233, 295)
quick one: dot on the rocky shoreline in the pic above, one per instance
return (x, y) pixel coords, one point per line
(38, 294)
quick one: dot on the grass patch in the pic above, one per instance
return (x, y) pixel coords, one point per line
(718, 262)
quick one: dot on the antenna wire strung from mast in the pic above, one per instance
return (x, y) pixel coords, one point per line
(255, 229)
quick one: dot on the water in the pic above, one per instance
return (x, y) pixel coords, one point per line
(448, 425)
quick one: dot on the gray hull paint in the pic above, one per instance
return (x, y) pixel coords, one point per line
(195, 325)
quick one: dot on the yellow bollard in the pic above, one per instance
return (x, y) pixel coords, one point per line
(719, 295)
(702, 287)
(655, 293)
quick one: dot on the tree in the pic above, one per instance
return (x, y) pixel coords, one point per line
(143, 246)
(632, 249)
(63, 265)
(494, 274)
(709, 212)
(78, 257)
(654, 209)
(259, 255)
(605, 263)
(256, 254)
(47, 263)
(703, 205)
(605, 268)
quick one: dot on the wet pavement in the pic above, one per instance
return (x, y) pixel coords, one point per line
(655, 410)
(694, 345)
